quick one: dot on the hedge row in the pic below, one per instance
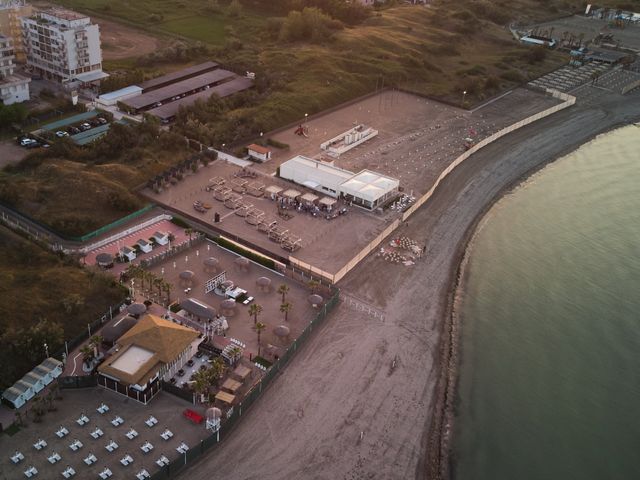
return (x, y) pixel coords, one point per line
(267, 262)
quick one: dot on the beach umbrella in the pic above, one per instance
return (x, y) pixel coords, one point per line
(242, 263)
(228, 307)
(104, 258)
(263, 283)
(211, 264)
(137, 308)
(186, 277)
(226, 285)
(281, 331)
(314, 299)
(214, 413)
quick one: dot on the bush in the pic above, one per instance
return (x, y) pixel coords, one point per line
(262, 361)
(265, 261)
(275, 143)
(180, 222)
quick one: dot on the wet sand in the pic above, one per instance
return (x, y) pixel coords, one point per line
(371, 398)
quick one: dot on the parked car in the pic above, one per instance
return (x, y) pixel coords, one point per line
(102, 121)
(85, 126)
(190, 363)
(180, 373)
(25, 142)
(73, 130)
(61, 134)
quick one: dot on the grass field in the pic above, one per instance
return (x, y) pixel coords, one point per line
(43, 298)
(204, 29)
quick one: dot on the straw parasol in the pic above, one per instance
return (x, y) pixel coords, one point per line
(242, 263)
(186, 277)
(228, 307)
(264, 284)
(104, 259)
(137, 309)
(281, 331)
(314, 299)
(211, 264)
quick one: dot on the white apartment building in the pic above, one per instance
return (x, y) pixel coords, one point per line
(10, 25)
(13, 88)
(64, 46)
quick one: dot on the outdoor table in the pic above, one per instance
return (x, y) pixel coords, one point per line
(151, 421)
(111, 446)
(55, 457)
(225, 397)
(231, 385)
(97, 433)
(131, 434)
(142, 474)
(242, 372)
(182, 448)
(30, 472)
(69, 472)
(76, 445)
(90, 459)
(117, 421)
(17, 457)
(167, 434)
(40, 444)
(147, 447)
(106, 473)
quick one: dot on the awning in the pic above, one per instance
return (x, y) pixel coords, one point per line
(91, 76)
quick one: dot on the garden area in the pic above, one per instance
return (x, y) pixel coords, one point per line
(44, 299)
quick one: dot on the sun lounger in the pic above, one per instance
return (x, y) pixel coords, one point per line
(30, 472)
(17, 457)
(147, 447)
(91, 459)
(97, 433)
(167, 434)
(151, 421)
(131, 434)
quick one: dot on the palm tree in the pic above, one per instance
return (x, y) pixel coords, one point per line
(259, 327)
(158, 283)
(87, 354)
(235, 354)
(254, 311)
(313, 284)
(167, 288)
(49, 399)
(283, 289)
(95, 342)
(202, 379)
(19, 419)
(188, 232)
(218, 369)
(286, 308)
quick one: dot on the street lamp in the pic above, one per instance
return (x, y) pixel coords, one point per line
(46, 349)
(305, 118)
(464, 94)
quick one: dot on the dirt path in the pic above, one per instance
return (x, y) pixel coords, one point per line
(341, 410)
(119, 41)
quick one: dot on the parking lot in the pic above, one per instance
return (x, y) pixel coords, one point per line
(166, 408)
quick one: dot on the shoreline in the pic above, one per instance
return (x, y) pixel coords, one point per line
(443, 414)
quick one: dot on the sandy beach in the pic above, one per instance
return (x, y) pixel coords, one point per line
(371, 398)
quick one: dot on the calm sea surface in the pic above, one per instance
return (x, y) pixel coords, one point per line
(549, 382)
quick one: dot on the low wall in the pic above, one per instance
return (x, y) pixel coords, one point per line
(567, 101)
(126, 232)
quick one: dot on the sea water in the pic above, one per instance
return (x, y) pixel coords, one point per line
(549, 384)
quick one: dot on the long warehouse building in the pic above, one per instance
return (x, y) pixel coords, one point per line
(156, 98)
(167, 112)
(174, 77)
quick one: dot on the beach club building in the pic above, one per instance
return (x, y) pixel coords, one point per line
(148, 352)
(366, 189)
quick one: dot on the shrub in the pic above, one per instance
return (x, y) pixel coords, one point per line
(275, 143)
(265, 261)
(180, 222)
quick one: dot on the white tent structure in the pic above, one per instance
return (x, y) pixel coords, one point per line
(366, 189)
(369, 189)
(316, 175)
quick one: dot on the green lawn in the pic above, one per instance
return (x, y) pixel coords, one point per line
(205, 29)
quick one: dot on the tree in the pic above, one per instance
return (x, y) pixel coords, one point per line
(158, 283)
(254, 311)
(189, 233)
(259, 327)
(234, 9)
(218, 369)
(87, 354)
(313, 285)
(49, 399)
(283, 290)
(95, 342)
(286, 308)
(203, 381)
(167, 288)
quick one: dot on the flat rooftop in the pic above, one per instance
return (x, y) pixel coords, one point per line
(132, 359)
(179, 75)
(179, 88)
(170, 110)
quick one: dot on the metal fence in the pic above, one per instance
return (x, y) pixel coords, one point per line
(160, 257)
(205, 445)
(78, 382)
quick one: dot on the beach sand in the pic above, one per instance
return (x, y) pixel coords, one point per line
(341, 409)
